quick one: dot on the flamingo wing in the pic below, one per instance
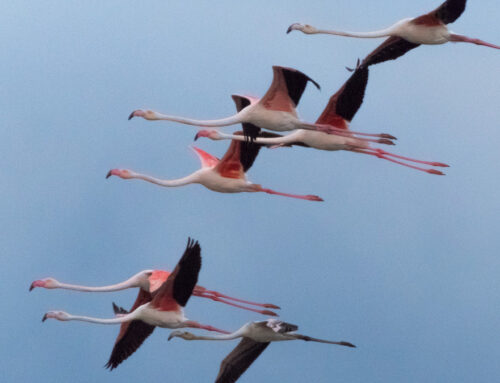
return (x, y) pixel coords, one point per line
(250, 130)
(286, 89)
(178, 287)
(344, 104)
(449, 11)
(230, 165)
(390, 49)
(238, 360)
(206, 159)
(132, 334)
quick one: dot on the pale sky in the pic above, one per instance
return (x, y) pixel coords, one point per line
(403, 264)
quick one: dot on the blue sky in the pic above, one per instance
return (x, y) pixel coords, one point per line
(405, 265)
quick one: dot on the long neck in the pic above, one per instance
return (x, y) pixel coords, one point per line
(192, 178)
(231, 336)
(132, 282)
(368, 35)
(235, 119)
(117, 320)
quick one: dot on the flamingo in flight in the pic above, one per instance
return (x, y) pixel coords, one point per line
(256, 337)
(162, 308)
(148, 281)
(275, 111)
(339, 112)
(409, 33)
(224, 176)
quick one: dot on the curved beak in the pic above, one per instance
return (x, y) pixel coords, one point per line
(131, 115)
(32, 286)
(136, 113)
(197, 136)
(291, 27)
(44, 318)
(170, 337)
(110, 173)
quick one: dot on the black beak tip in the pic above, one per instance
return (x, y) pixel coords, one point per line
(31, 287)
(44, 318)
(289, 30)
(108, 175)
(131, 115)
(196, 137)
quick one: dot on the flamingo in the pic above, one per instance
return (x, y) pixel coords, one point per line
(408, 33)
(339, 112)
(256, 337)
(224, 176)
(148, 281)
(275, 111)
(162, 308)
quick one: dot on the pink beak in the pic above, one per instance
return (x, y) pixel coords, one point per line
(113, 172)
(136, 113)
(37, 284)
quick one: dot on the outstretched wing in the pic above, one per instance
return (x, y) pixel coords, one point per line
(286, 89)
(230, 165)
(178, 287)
(238, 360)
(449, 11)
(132, 334)
(249, 130)
(206, 159)
(344, 104)
(390, 49)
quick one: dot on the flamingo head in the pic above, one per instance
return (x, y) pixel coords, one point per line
(59, 315)
(212, 134)
(122, 173)
(305, 28)
(47, 283)
(181, 334)
(146, 114)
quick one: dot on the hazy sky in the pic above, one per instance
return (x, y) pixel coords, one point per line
(403, 264)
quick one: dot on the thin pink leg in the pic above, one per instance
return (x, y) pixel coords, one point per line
(411, 159)
(266, 305)
(217, 299)
(194, 324)
(306, 197)
(464, 39)
(333, 130)
(379, 155)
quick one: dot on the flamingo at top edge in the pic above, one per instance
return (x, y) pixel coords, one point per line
(339, 112)
(275, 111)
(408, 33)
(223, 176)
(256, 337)
(163, 308)
(148, 281)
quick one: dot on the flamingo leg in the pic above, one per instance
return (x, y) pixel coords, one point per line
(383, 156)
(343, 132)
(305, 197)
(412, 159)
(464, 39)
(217, 294)
(217, 299)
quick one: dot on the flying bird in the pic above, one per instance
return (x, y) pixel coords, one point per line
(339, 112)
(408, 33)
(224, 176)
(275, 111)
(148, 281)
(162, 308)
(256, 337)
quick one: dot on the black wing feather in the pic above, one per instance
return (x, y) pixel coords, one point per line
(390, 49)
(450, 10)
(296, 83)
(187, 276)
(136, 334)
(351, 98)
(238, 360)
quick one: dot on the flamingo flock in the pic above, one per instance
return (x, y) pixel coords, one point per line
(163, 295)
